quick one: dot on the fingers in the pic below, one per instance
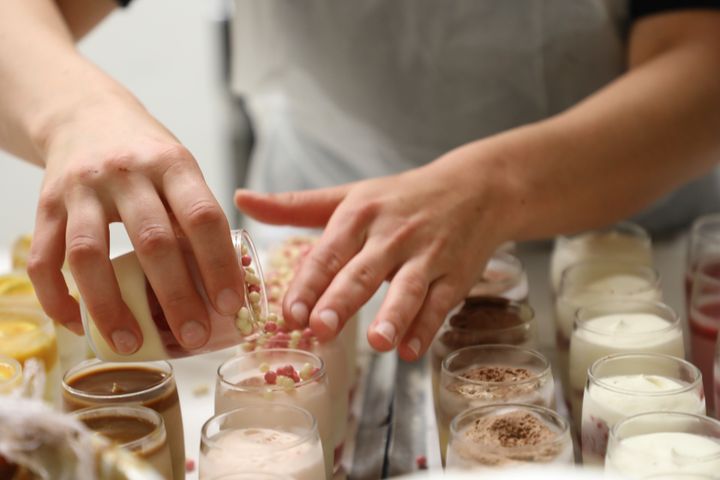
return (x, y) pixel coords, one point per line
(442, 296)
(47, 254)
(403, 301)
(351, 288)
(310, 208)
(204, 224)
(87, 252)
(163, 262)
(344, 237)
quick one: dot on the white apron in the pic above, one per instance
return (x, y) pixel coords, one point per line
(341, 90)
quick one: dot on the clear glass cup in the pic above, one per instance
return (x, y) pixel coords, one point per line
(704, 320)
(594, 281)
(272, 438)
(159, 343)
(487, 374)
(137, 429)
(623, 385)
(664, 443)
(508, 435)
(504, 276)
(624, 241)
(244, 380)
(16, 290)
(332, 353)
(150, 384)
(11, 378)
(619, 326)
(481, 321)
(703, 247)
(28, 336)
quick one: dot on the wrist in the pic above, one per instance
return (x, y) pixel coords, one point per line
(83, 92)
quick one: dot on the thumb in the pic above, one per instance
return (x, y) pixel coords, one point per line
(308, 208)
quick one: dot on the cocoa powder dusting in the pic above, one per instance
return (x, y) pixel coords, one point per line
(512, 383)
(485, 439)
(497, 374)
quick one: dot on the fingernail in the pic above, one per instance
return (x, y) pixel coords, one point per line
(300, 312)
(415, 346)
(125, 341)
(387, 331)
(229, 301)
(330, 319)
(193, 334)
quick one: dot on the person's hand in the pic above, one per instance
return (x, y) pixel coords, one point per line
(429, 230)
(112, 162)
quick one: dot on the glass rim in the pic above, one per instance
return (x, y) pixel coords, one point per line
(142, 411)
(702, 221)
(86, 365)
(543, 412)
(627, 267)
(317, 376)
(672, 323)
(312, 430)
(17, 370)
(699, 273)
(522, 307)
(546, 366)
(593, 378)
(700, 419)
(240, 238)
(632, 228)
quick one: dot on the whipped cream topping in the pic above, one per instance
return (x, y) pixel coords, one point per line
(631, 394)
(666, 452)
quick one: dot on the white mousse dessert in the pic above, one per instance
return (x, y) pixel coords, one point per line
(664, 452)
(603, 335)
(611, 399)
(262, 450)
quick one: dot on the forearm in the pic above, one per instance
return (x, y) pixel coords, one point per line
(647, 133)
(42, 76)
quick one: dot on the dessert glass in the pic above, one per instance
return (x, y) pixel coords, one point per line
(487, 374)
(624, 241)
(591, 282)
(508, 435)
(619, 326)
(664, 443)
(623, 385)
(704, 319)
(504, 276)
(16, 290)
(137, 429)
(272, 438)
(481, 321)
(332, 354)
(703, 248)
(28, 336)
(159, 343)
(11, 378)
(262, 377)
(150, 384)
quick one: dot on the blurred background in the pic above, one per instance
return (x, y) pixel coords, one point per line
(170, 54)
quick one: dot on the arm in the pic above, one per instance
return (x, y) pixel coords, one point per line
(106, 159)
(431, 229)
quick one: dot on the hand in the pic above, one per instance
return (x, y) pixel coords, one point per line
(113, 162)
(429, 231)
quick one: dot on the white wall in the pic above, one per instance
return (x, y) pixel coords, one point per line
(166, 52)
